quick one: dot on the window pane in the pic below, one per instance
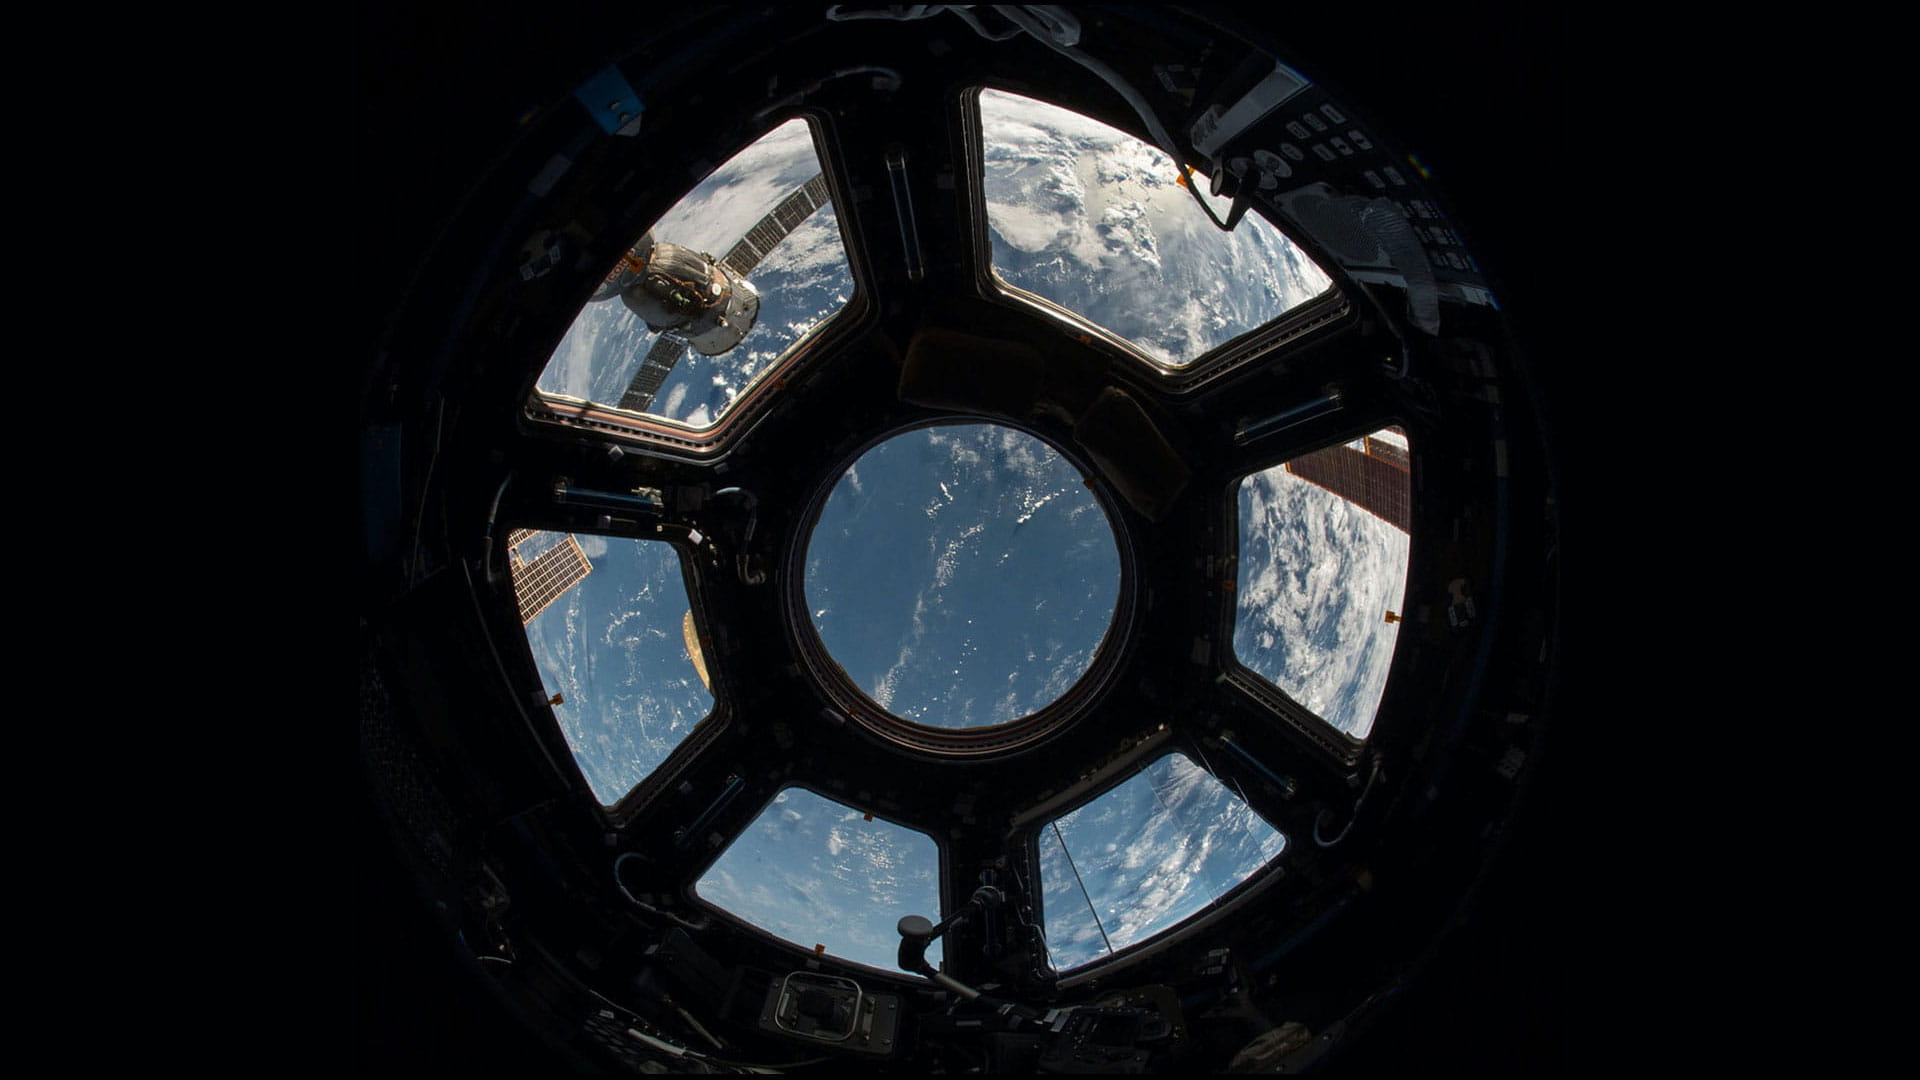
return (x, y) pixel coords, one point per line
(1094, 220)
(765, 218)
(1144, 857)
(616, 643)
(996, 586)
(814, 872)
(1323, 574)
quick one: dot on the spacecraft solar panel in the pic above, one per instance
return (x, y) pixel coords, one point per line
(653, 371)
(536, 585)
(1373, 482)
(1388, 452)
(767, 233)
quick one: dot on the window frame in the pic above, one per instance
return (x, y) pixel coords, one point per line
(1331, 742)
(672, 438)
(690, 886)
(1330, 307)
(1256, 884)
(703, 732)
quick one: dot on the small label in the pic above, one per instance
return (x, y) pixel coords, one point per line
(1292, 151)
(1360, 139)
(1393, 174)
(1320, 150)
(1333, 114)
(1374, 179)
(1314, 122)
(1299, 130)
(1340, 144)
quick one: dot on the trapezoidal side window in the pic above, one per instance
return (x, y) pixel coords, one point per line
(1322, 575)
(611, 630)
(812, 871)
(715, 296)
(1146, 856)
(1098, 222)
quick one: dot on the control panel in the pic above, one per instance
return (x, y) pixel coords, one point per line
(834, 1011)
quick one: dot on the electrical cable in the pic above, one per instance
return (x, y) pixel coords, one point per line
(1032, 20)
(426, 484)
(1083, 885)
(1161, 136)
(801, 94)
(913, 12)
(1321, 818)
(1234, 780)
(702, 924)
(893, 13)
(1208, 766)
(1021, 913)
(493, 517)
(1178, 823)
(971, 20)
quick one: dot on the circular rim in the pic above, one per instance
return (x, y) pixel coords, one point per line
(1022, 733)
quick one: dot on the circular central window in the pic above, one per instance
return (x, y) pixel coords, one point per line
(962, 575)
